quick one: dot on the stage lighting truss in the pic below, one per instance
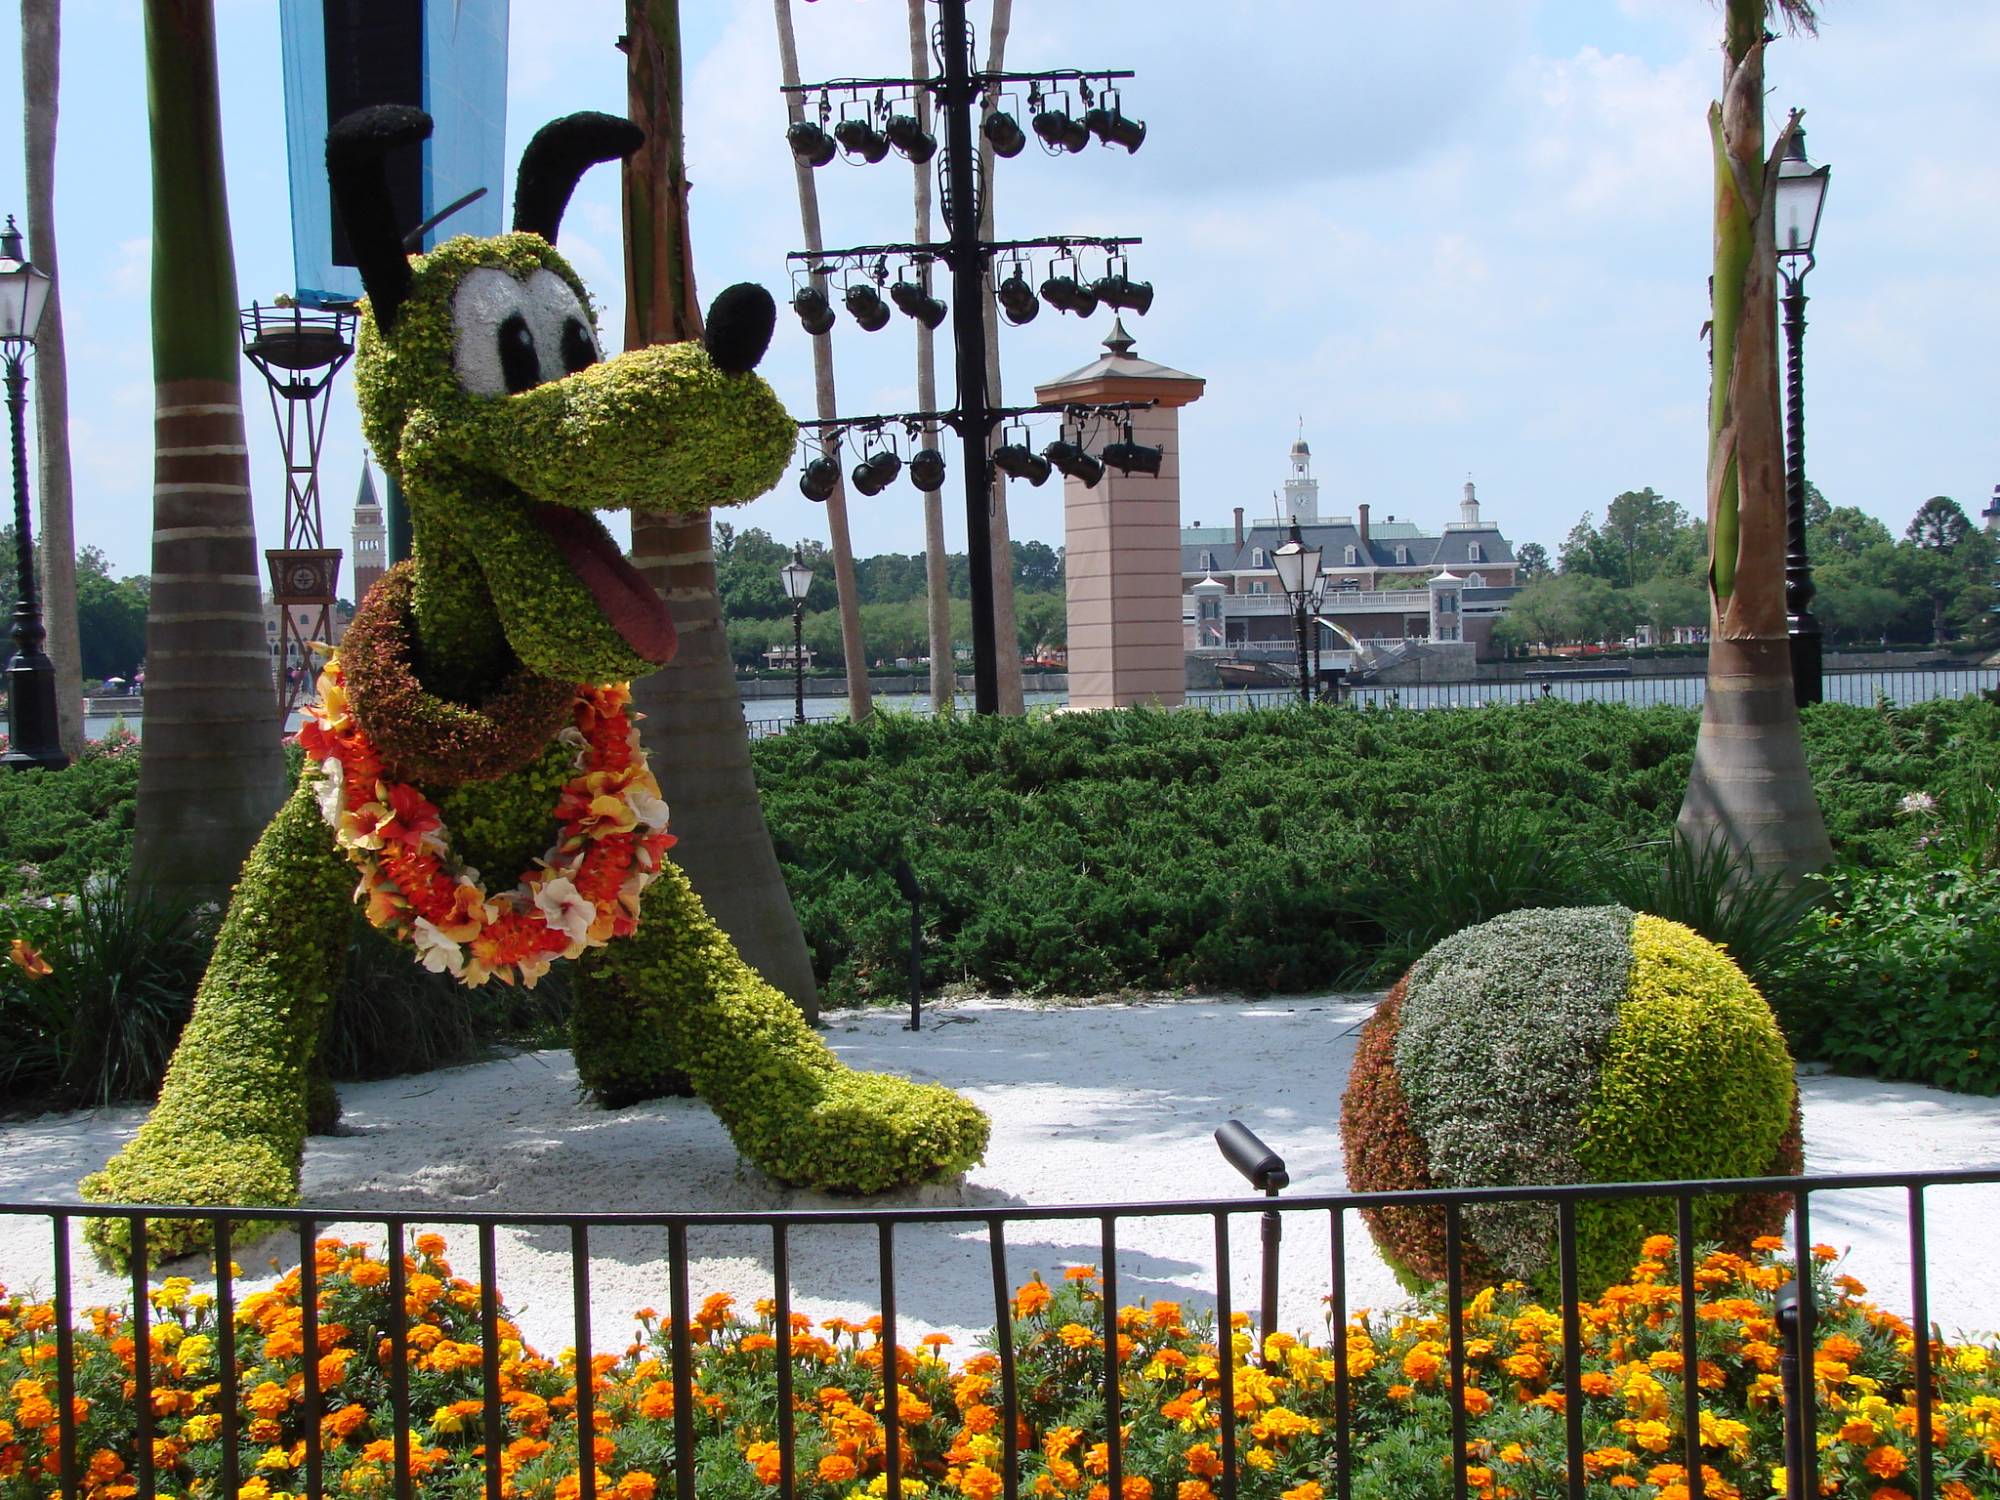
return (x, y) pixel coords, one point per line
(862, 280)
(864, 119)
(1080, 429)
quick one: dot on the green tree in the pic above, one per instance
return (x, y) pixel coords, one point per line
(1939, 525)
(1749, 791)
(111, 618)
(1844, 531)
(1665, 602)
(1531, 561)
(213, 772)
(1644, 526)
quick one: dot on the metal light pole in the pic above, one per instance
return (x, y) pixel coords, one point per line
(33, 739)
(1298, 573)
(1801, 194)
(1313, 606)
(798, 581)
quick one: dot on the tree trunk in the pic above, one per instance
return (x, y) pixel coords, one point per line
(213, 772)
(694, 717)
(1749, 788)
(1006, 633)
(41, 28)
(852, 646)
(937, 576)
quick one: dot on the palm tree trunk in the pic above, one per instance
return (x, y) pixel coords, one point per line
(694, 717)
(852, 647)
(1749, 787)
(1006, 633)
(213, 772)
(937, 578)
(41, 28)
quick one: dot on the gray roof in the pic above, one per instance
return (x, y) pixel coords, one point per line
(1451, 550)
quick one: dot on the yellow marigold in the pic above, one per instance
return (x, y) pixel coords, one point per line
(1076, 1336)
(1261, 1458)
(1652, 1436)
(1194, 1489)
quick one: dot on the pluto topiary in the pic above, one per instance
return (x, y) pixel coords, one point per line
(1544, 1047)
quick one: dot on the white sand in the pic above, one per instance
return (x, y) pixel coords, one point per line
(1090, 1104)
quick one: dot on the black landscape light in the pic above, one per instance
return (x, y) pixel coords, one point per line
(1066, 294)
(927, 470)
(1019, 461)
(1266, 1172)
(815, 312)
(866, 306)
(820, 479)
(877, 471)
(907, 134)
(913, 299)
(858, 138)
(810, 143)
(1018, 303)
(1116, 289)
(1073, 463)
(1003, 132)
(1134, 458)
(1110, 125)
(1060, 130)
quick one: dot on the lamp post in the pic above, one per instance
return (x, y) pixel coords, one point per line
(1801, 193)
(32, 737)
(1313, 607)
(1298, 569)
(798, 580)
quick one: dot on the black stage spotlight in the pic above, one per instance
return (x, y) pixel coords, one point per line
(858, 138)
(810, 143)
(1017, 298)
(918, 303)
(1074, 463)
(1003, 132)
(1019, 461)
(1133, 458)
(1066, 294)
(1111, 126)
(877, 471)
(820, 478)
(908, 136)
(927, 470)
(1061, 131)
(1118, 290)
(867, 307)
(810, 303)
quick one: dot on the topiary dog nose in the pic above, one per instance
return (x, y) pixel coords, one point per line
(738, 330)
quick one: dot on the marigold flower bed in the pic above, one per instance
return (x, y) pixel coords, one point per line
(950, 1413)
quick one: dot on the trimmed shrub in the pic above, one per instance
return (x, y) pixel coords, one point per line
(1584, 1045)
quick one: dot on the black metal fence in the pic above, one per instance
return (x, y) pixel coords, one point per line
(1797, 1323)
(1900, 686)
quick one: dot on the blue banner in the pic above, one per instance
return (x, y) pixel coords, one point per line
(448, 57)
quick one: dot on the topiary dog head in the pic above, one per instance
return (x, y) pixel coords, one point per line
(484, 391)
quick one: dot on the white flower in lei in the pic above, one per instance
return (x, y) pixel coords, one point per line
(564, 908)
(435, 951)
(330, 791)
(647, 807)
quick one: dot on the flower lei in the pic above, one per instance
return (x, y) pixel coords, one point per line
(611, 832)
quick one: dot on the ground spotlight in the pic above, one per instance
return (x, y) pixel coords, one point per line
(907, 134)
(867, 307)
(810, 143)
(858, 138)
(1017, 298)
(1019, 461)
(1112, 127)
(820, 479)
(1066, 294)
(927, 470)
(810, 303)
(1074, 463)
(877, 471)
(1061, 131)
(1118, 290)
(918, 303)
(1129, 457)
(1003, 132)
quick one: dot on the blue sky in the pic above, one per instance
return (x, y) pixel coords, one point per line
(1455, 236)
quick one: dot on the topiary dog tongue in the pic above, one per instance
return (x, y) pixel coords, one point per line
(635, 611)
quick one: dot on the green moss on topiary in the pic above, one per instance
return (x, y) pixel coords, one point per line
(1547, 1047)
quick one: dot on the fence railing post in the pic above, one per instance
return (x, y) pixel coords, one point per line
(1791, 1372)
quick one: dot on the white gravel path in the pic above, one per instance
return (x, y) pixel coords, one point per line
(1090, 1104)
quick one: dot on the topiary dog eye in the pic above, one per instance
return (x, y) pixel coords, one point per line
(579, 349)
(519, 365)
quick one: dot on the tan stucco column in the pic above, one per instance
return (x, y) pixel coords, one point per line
(1122, 538)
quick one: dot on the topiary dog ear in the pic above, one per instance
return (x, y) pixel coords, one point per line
(356, 152)
(738, 330)
(561, 152)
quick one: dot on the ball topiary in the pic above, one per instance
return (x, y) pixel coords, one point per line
(1590, 1045)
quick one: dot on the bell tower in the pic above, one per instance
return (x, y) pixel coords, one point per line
(1301, 489)
(371, 537)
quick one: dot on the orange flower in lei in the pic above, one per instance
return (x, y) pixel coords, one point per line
(611, 831)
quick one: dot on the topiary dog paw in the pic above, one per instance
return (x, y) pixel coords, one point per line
(197, 1170)
(870, 1132)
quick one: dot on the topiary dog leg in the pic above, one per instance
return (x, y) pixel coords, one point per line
(793, 1108)
(230, 1124)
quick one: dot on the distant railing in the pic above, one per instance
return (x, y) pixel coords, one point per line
(1799, 1399)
